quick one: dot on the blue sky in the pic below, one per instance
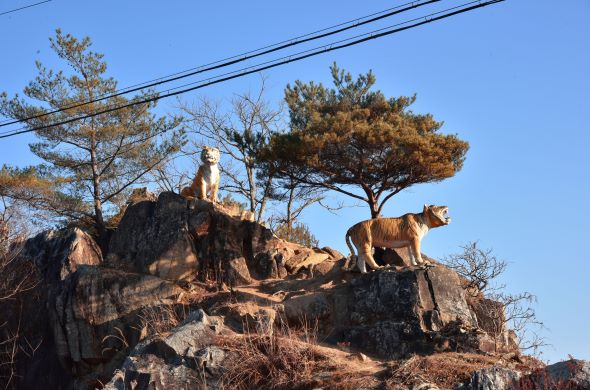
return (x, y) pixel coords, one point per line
(512, 79)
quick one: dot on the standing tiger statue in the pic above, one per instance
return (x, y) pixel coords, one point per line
(404, 231)
(206, 182)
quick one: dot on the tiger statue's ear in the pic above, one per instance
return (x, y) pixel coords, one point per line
(426, 206)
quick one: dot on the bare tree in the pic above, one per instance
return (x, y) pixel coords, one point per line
(239, 132)
(503, 311)
(520, 316)
(295, 197)
(478, 267)
(167, 176)
(19, 276)
(16, 278)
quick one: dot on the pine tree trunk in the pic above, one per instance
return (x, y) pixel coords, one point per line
(378, 253)
(98, 217)
(264, 199)
(289, 221)
(252, 187)
(374, 209)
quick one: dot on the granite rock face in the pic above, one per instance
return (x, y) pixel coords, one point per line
(575, 372)
(171, 253)
(177, 239)
(571, 374)
(153, 238)
(493, 378)
(95, 315)
(57, 253)
(186, 358)
(392, 313)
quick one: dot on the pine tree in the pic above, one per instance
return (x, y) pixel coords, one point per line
(357, 142)
(89, 164)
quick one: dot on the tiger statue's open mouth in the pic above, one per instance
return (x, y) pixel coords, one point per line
(440, 213)
(446, 216)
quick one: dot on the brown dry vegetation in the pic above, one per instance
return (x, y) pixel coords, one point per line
(446, 370)
(286, 362)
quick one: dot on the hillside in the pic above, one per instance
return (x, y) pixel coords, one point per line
(191, 295)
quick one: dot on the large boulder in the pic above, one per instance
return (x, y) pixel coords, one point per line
(58, 253)
(389, 313)
(493, 378)
(177, 239)
(185, 358)
(571, 374)
(95, 316)
(153, 238)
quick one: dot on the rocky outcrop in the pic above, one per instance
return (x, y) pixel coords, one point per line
(574, 372)
(58, 253)
(153, 238)
(173, 255)
(186, 358)
(176, 239)
(390, 313)
(493, 378)
(570, 374)
(94, 314)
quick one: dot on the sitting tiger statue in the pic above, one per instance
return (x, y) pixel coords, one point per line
(404, 231)
(206, 182)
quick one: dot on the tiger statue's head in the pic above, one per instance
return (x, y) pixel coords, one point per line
(209, 155)
(437, 215)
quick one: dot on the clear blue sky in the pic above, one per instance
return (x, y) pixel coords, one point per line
(512, 79)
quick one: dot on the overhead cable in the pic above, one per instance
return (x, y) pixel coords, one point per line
(285, 60)
(240, 57)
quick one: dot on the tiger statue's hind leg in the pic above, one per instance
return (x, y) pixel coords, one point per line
(365, 255)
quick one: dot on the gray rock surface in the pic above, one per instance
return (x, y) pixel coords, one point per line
(186, 358)
(57, 253)
(94, 308)
(94, 315)
(183, 341)
(574, 371)
(493, 378)
(390, 313)
(153, 238)
(176, 239)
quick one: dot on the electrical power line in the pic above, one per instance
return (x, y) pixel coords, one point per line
(241, 57)
(309, 50)
(327, 48)
(21, 8)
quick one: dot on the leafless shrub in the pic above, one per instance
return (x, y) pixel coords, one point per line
(158, 320)
(478, 266)
(119, 337)
(285, 358)
(19, 276)
(522, 319)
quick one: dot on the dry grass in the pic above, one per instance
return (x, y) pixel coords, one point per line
(287, 358)
(444, 369)
(272, 362)
(159, 320)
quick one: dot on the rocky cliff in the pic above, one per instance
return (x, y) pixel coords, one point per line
(190, 295)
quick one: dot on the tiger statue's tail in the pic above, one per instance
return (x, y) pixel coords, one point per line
(352, 252)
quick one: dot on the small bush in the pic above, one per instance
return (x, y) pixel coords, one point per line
(298, 233)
